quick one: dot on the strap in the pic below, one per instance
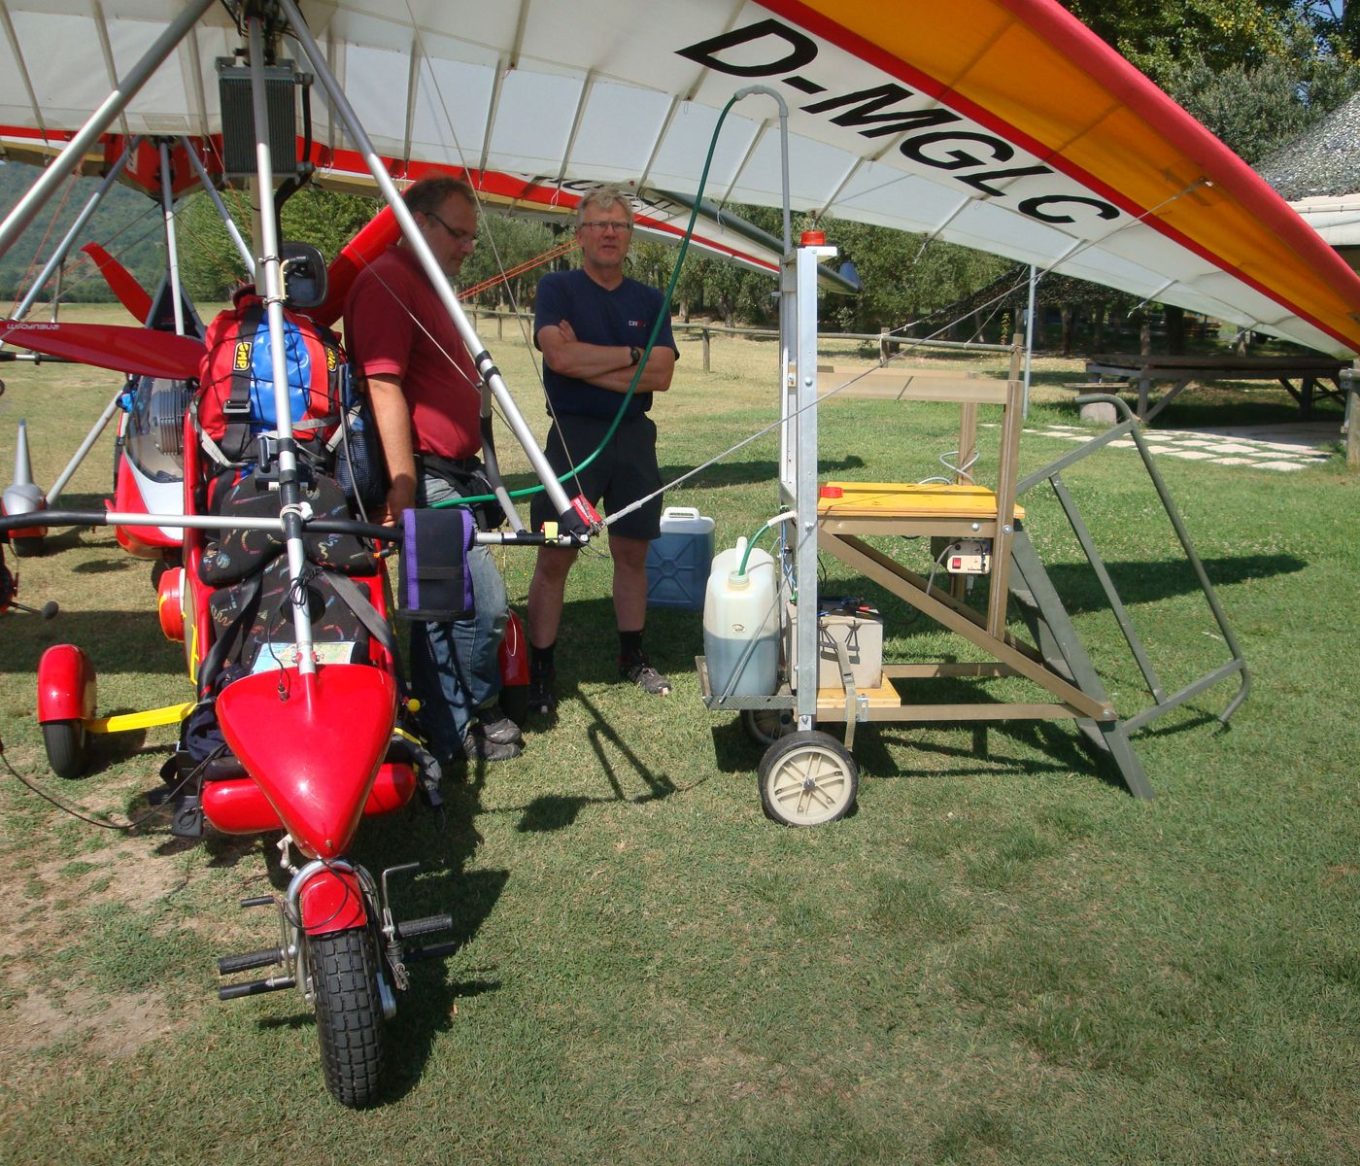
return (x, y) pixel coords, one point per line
(249, 590)
(353, 597)
(237, 437)
(210, 447)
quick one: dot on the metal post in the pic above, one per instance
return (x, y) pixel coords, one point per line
(171, 250)
(232, 229)
(1029, 340)
(805, 480)
(79, 456)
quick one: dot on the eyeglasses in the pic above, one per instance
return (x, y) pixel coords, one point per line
(468, 237)
(603, 225)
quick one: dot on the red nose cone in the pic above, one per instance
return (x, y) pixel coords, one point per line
(312, 744)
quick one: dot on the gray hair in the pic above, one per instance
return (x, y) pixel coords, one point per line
(605, 198)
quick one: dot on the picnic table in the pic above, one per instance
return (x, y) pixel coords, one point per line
(1307, 378)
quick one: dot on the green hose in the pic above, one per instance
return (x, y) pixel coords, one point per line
(651, 340)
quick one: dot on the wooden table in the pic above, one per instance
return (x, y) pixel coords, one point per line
(1312, 374)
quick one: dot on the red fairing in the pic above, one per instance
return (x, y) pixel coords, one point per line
(66, 685)
(238, 806)
(170, 604)
(313, 744)
(514, 653)
(143, 542)
(332, 900)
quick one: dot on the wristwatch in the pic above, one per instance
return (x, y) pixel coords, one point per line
(634, 355)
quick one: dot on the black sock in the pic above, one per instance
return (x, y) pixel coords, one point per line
(630, 645)
(541, 659)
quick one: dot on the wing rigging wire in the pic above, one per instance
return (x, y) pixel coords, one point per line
(910, 343)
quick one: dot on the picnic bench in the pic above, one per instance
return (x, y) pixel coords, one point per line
(1307, 378)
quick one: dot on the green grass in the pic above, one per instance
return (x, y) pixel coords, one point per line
(1000, 958)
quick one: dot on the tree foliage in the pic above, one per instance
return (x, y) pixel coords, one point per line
(1257, 73)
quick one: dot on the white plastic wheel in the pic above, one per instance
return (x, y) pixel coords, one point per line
(806, 779)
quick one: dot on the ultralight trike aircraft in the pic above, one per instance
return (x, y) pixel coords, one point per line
(1001, 124)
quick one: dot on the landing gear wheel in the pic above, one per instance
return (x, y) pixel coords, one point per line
(349, 1014)
(28, 547)
(766, 726)
(65, 743)
(806, 779)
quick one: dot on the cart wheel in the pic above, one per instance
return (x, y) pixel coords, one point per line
(807, 778)
(766, 726)
(65, 743)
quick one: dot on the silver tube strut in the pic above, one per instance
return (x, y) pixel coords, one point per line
(485, 365)
(89, 133)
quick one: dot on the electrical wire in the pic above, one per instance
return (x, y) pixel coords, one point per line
(105, 823)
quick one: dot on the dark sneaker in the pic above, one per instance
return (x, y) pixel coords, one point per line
(645, 677)
(497, 727)
(478, 747)
(542, 695)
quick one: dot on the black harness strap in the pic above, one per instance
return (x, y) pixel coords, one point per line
(237, 437)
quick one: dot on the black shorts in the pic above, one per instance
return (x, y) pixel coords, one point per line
(625, 471)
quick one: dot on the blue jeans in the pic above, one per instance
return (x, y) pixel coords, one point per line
(455, 667)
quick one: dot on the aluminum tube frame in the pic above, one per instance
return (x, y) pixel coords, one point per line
(64, 247)
(85, 446)
(271, 265)
(171, 247)
(227, 221)
(486, 367)
(804, 424)
(65, 162)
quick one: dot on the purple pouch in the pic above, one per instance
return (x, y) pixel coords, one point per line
(434, 580)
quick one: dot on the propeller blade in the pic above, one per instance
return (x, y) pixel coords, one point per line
(371, 241)
(135, 298)
(115, 346)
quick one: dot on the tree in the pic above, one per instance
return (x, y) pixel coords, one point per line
(1255, 72)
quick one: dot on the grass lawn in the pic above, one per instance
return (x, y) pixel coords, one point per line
(1000, 958)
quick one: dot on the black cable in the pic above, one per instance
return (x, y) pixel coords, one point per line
(102, 823)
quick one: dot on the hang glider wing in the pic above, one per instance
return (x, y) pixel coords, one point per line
(1001, 124)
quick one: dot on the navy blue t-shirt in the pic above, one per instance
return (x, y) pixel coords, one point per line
(597, 316)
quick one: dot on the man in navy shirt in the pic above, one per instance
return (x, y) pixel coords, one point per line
(592, 326)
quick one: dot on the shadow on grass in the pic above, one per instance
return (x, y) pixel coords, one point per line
(117, 641)
(443, 842)
(557, 811)
(1150, 580)
(1210, 408)
(1032, 749)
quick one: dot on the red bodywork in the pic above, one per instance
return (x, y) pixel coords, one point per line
(313, 743)
(142, 542)
(66, 685)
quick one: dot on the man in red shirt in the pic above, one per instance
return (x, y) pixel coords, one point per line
(425, 395)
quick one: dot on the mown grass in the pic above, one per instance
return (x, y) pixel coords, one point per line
(1001, 958)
